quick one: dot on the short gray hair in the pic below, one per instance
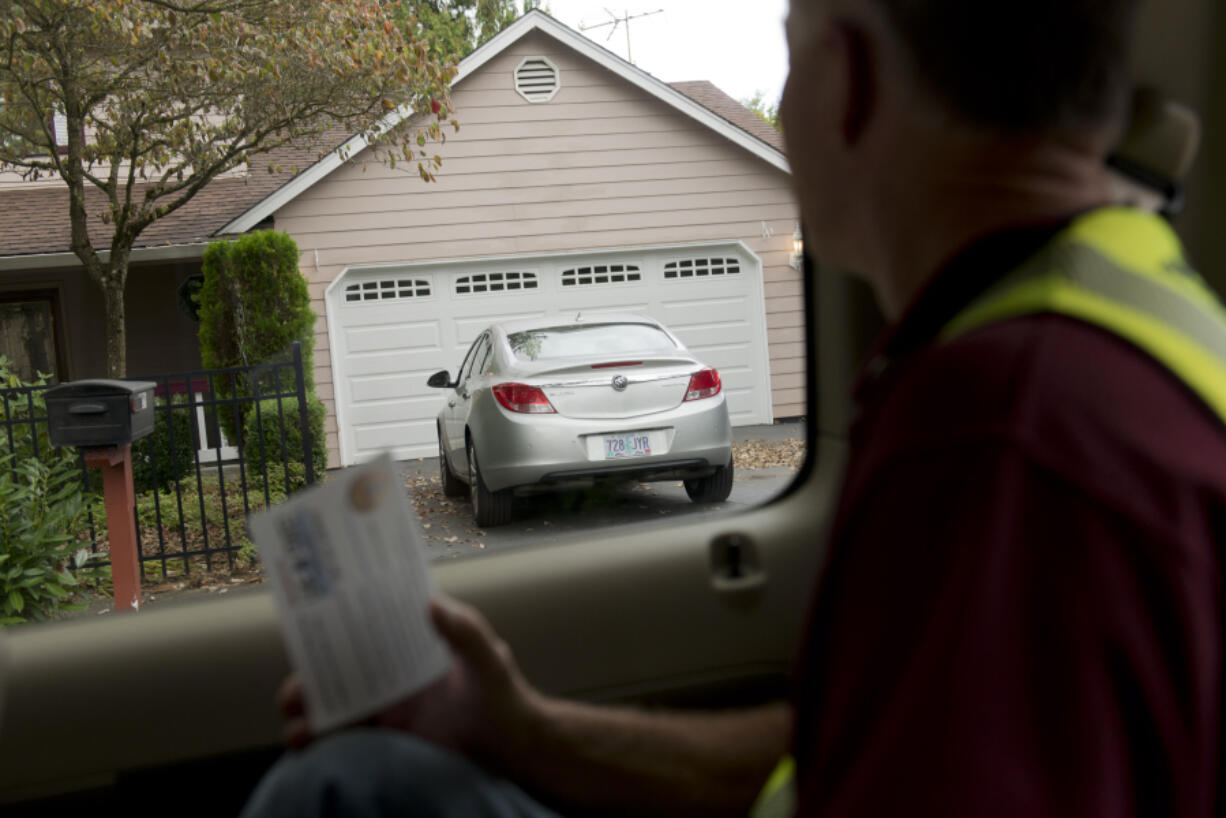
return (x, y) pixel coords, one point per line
(1021, 65)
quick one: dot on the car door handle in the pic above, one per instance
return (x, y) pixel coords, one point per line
(450, 404)
(735, 564)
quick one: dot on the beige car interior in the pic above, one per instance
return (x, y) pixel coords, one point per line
(171, 710)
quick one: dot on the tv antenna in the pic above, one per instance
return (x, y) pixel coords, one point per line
(615, 21)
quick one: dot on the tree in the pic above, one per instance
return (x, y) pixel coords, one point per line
(457, 27)
(159, 97)
(767, 111)
(253, 305)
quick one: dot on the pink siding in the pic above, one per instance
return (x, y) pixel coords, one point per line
(602, 165)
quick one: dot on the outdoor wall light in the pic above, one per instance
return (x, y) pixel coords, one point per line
(797, 259)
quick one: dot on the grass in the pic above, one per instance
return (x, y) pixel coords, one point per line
(197, 527)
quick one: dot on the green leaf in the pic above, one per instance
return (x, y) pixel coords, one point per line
(16, 601)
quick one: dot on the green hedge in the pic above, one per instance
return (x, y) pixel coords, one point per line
(172, 462)
(262, 440)
(43, 506)
(254, 304)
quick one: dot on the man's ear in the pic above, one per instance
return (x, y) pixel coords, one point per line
(860, 81)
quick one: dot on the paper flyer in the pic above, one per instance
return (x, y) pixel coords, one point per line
(349, 573)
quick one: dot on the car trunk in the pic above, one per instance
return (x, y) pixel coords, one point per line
(587, 391)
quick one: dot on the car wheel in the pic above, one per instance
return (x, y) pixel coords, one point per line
(489, 507)
(452, 485)
(712, 489)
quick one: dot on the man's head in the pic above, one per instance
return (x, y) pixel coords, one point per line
(1019, 66)
(883, 89)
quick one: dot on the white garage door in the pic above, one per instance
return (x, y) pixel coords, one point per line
(390, 327)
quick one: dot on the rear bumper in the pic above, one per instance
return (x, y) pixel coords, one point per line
(548, 451)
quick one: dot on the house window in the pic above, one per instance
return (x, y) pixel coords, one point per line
(495, 282)
(27, 136)
(701, 268)
(388, 289)
(601, 274)
(28, 335)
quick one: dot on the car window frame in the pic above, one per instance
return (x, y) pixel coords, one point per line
(466, 364)
(483, 368)
(470, 360)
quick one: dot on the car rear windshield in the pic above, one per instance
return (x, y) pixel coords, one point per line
(589, 340)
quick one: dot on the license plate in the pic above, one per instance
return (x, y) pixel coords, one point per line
(636, 444)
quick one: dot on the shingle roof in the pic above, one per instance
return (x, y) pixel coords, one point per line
(36, 216)
(717, 102)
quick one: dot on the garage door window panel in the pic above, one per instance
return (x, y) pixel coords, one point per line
(598, 274)
(387, 289)
(511, 281)
(703, 267)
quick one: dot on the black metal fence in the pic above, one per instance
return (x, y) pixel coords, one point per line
(225, 442)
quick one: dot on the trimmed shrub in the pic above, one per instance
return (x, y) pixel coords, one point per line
(254, 303)
(262, 435)
(43, 508)
(157, 451)
(22, 404)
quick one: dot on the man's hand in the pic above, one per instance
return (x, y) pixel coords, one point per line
(480, 707)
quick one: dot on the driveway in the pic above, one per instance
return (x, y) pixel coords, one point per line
(767, 458)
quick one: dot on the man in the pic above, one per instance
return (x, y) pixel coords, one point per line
(1021, 611)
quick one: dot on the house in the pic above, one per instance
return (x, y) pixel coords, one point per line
(577, 183)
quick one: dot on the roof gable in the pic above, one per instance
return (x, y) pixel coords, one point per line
(716, 111)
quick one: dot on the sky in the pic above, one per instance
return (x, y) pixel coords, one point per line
(739, 46)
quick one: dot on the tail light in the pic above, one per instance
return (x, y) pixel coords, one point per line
(519, 397)
(704, 383)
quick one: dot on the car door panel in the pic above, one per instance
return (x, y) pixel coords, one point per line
(635, 615)
(456, 413)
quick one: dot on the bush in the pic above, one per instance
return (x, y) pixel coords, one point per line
(43, 507)
(21, 401)
(253, 304)
(156, 450)
(262, 440)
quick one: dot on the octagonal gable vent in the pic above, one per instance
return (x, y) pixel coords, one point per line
(536, 79)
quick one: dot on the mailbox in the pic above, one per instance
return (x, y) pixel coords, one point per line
(99, 412)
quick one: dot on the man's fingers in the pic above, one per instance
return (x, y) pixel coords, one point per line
(289, 697)
(297, 734)
(468, 633)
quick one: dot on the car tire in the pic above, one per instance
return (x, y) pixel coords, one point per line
(452, 486)
(490, 508)
(712, 489)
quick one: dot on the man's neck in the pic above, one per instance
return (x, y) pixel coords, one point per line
(938, 207)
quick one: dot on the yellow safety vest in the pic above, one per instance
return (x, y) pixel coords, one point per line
(1124, 271)
(1119, 269)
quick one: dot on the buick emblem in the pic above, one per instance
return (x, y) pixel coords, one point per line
(620, 382)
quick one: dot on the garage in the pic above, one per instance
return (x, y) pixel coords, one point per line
(391, 326)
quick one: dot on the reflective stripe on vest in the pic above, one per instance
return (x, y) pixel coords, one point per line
(778, 796)
(1124, 271)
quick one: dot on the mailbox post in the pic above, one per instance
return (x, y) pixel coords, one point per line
(103, 417)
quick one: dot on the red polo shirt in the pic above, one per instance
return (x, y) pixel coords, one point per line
(1021, 610)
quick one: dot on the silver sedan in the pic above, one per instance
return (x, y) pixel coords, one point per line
(554, 403)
